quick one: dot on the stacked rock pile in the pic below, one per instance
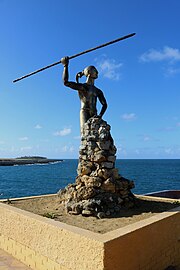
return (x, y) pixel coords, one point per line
(99, 189)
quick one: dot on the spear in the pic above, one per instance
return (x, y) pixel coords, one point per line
(75, 55)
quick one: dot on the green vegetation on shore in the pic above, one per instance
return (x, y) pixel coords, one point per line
(30, 158)
(26, 160)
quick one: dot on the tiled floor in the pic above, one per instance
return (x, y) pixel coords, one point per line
(7, 262)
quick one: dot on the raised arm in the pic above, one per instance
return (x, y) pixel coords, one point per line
(65, 77)
(103, 102)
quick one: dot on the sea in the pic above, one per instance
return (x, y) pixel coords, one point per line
(149, 175)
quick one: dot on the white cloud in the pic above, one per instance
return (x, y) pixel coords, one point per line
(45, 140)
(137, 151)
(77, 137)
(12, 149)
(172, 71)
(109, 68)
(69, 149)
(128, 116)
(63, 132)
(169, 151)
(38, 126)
(146, 138)
(167, 53)
(121, 150)
(23, 138)
(168, 128)
(65, 148)
(26, 148)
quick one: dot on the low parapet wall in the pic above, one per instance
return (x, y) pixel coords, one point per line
(45, 244)
(150, 244)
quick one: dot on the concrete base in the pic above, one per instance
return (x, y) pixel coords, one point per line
(45, 244)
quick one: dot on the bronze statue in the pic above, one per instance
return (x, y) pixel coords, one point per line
(88, 92)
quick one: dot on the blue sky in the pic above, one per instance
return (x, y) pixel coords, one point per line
(140, 76)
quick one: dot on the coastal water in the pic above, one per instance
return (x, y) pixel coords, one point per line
(149, 176)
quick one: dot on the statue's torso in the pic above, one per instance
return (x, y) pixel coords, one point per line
(88, 97)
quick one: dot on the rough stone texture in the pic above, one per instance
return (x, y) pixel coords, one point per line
(99, 189)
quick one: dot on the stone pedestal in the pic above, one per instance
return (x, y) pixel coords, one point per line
(99, 189)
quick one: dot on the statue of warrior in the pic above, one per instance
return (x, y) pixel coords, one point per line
(88, 92)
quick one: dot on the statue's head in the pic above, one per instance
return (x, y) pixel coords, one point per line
(91, 72)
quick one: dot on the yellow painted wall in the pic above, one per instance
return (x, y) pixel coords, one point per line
(152, 244)
(44, 244)
(44, 238)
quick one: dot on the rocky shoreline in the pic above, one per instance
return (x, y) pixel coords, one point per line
(27, 161)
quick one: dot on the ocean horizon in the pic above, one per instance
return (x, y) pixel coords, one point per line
(149, 175)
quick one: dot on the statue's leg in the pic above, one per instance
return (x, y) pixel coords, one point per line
(84, 116)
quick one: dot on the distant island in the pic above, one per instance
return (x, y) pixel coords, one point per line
(26, 160)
